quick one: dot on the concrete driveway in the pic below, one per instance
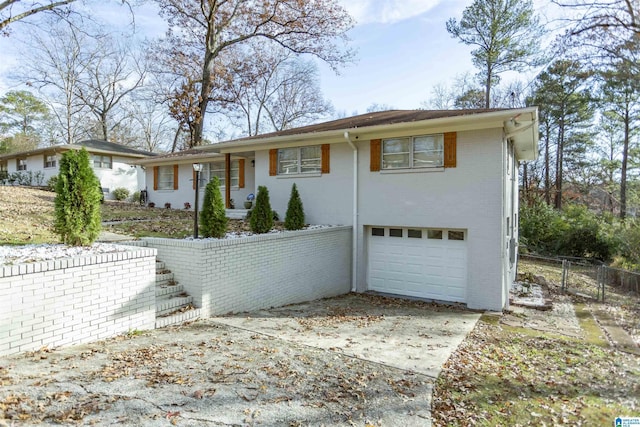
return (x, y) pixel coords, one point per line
(409, 335)
(352, 360)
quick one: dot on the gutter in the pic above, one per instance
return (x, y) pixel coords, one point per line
(354, 243)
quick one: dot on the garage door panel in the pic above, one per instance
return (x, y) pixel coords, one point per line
(420, 267)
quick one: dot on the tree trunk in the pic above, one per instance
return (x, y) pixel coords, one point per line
(547, 165)
(487, 91)
(623, 172)
(559, 161)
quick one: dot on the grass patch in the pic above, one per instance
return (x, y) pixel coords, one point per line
(593, 332)
(502, 377)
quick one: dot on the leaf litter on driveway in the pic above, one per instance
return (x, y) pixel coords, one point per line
(208, 373)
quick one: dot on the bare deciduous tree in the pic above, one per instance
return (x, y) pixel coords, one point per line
(201, 31)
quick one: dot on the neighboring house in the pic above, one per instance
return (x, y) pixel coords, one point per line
(112, 164)
(432, 195)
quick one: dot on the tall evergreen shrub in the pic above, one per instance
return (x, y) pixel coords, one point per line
(77, 202)
(213, 220)
(262, 216)
(294, 219)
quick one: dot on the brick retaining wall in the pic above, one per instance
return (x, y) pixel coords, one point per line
(76, 300)
(261, 271)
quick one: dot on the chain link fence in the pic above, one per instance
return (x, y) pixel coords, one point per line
(585, 277)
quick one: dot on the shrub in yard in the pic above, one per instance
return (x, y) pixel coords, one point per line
(77, 202)
(135, 197)
(51, 184)
(262, 215)
(213, 220)
(294, 219)
(121, 194)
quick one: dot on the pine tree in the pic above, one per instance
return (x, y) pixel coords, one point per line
(77, 203)
(262, 215)
(213, 220)
(294, 219)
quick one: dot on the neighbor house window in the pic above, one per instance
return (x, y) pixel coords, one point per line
(21, 164)
(103, 162)
(299, 160)
(217, 169)
(166, 177)
(50, 161)
(424, 151)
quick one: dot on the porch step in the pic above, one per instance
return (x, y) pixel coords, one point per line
(236, 213)
(173, 305)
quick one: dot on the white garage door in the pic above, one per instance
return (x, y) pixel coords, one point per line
(426, 263)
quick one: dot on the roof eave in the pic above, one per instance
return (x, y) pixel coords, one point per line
(493, 119)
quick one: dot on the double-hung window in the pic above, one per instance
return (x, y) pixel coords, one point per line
(21, 164)
(166, 177)
(425, 151)
(50, 161)
(217, 169)
(299, 160)
(103, 162)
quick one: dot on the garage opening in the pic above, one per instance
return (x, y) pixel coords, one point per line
(420, 262)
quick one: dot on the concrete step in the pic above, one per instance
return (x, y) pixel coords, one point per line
(170, 303)
(178, 317)
(236, 213)
(160, 265)
(166, 289)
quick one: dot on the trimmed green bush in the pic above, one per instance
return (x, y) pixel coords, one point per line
(261, 215)
(135, 197)
(213, 220)
(294, 219)
(77, 202)
(120, 194)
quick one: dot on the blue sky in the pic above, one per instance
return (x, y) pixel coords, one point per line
(403, 50)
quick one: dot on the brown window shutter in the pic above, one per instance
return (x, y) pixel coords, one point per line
(326, 156)
(194, 178)
(450, 150)
(376, 152)
(241, 173)
(175, 177)
(273, 162)
(155, 177)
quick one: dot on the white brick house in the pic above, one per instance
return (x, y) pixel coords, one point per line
(432, 195)
(112, 163)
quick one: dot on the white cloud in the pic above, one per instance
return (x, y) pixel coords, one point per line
(386, 11)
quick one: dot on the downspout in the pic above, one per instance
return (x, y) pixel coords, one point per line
(354, 249)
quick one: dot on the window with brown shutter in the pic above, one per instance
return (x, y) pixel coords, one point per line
(326, 156)
(450, 149)
(375, 151)
(155, 177)
(241, 173)
(273, 162)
